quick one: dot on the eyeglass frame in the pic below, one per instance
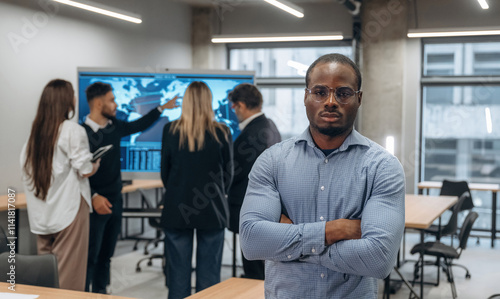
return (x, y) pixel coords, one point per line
(356, 92)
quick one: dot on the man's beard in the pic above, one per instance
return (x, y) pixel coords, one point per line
(107, 115)
(332, 131)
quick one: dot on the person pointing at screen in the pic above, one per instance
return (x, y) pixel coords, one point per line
(103, 128)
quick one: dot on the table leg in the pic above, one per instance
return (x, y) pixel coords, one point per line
(493, 219)
(387, 287)
(234, 254)
(422, 265)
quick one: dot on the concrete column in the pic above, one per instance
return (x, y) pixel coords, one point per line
(205, 54)
(383, 38)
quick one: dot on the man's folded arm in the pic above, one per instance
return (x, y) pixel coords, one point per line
(382, 226)
(262, 237)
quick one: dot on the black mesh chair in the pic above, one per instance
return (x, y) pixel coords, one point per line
(154, 222)
(450, 228)
(458, 188)
(36, 270)
(446, 252)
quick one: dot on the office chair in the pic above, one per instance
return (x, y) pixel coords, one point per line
(3, 241)
(154, 222)
(450, 228)
(458, 188)
(446, 252)
(37, 270)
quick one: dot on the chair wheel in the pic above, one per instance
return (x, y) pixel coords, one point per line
(150, 263)
(138, 269)
(467, 276)
(135, 247)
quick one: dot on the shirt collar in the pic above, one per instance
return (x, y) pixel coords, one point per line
(245, 123)
(354, 138)
(95, 126)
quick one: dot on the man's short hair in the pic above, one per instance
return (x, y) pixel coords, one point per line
(248, 94)
(338, 58)
(97, 89)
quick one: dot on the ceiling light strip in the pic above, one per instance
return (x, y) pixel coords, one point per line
(101, 11)
(483, 4)
(288, 7)
(261, 39)
(453, 33)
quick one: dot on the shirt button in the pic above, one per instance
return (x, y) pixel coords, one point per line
(289, 256)
(326, 161)
(322, 275)
(322, 188)
(321, 218)
(313, 250)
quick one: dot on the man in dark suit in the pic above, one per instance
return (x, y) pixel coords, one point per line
(257, 134)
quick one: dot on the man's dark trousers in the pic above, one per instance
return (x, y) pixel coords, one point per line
(104, 231)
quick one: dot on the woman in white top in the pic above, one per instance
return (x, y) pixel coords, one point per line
(56, 164)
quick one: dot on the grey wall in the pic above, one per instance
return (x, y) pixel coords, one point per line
(240, 18)
(39, 43)
(37, 46)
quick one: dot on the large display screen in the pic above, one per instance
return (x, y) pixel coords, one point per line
(138, 92)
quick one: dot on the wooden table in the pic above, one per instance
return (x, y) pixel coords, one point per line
(20, 202)
(52, 293)
(141, 212)
(142, 184)
(493, 188)
(233, 288)
(420, 212)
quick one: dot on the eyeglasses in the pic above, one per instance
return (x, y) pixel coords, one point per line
(320, 93)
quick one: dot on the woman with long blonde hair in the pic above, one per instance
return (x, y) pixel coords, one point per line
(56, 164)
(196, 170)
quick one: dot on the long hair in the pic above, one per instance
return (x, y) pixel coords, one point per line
(56, 105)
(197, 118)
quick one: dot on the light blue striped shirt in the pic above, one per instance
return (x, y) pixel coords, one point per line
(359, 180)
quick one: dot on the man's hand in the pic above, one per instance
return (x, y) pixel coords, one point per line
(285, 219)
(342, 229)
(171, 104)
(101, 205)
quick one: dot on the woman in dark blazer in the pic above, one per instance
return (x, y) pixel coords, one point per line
(196, 170)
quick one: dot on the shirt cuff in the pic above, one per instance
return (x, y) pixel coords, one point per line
(94, 195)
(160, 109)
(313, 238)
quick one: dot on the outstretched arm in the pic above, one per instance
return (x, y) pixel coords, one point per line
(147, 120)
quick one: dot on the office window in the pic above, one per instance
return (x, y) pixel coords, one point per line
(280, 75)
(461, 117)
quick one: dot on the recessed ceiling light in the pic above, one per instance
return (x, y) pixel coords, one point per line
(276, 38)
(102, 9)
(288, 7)
(483, 4)
(413, 33)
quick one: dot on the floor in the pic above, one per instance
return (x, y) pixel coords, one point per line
(482, 261)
